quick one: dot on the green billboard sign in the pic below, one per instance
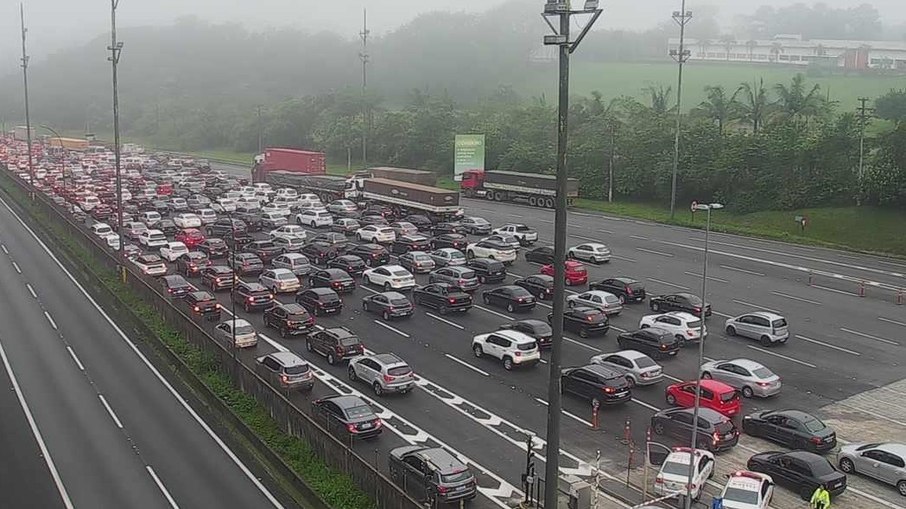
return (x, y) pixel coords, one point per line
(469, 154)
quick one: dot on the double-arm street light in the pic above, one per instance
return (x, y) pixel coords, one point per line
(62, 151)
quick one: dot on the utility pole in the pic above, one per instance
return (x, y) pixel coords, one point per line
(258, 109)
(560, 38)
(366, 120)
(115, 49)
(863, 113)
(613, 132)
(681, 17)
(31, 167)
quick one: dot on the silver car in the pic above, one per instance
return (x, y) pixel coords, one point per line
(768, 328)
(286, 370)
(749, 377)
(598, 299)
(884, 462)
(462, 277)
(638, 367)
(384, 372)
(245, 335)
(280, 280)
(448, 256)
(298, 263)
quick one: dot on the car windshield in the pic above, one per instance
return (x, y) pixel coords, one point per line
(399, 370)
(297, 317)
(694, 324)
(286, 276)
(674, 468)
(635, 286)
(456, 478)
(645, 362)
(297, 370)
(526, 346)
(349, 341)
(421, 258)
(358, 411)
(763, 372)
(822, 467)
(523, 228)
(400, 273)
(728, 396)
(467, 274)
(742, 496)
(541, 329)
(579, 269)
(723, 427)
(457, 255)
(245, 329)
(399, 302)
(778, 323)
(814, 425)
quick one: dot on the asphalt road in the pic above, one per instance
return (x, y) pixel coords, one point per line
(118, 433)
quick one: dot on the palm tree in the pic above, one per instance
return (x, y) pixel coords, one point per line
(703, 47)
(751, 44)
(728, 41)
(753, 106)
(776, 50)
(660, 98)
(794, 102)
(718, 107)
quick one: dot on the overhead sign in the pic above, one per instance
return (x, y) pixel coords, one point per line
(468, 154)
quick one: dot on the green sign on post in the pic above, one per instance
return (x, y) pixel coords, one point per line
(469, 154)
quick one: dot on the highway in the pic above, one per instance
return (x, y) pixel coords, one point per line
(117, 434)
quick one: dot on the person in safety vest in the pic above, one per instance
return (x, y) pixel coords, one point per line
(820, 498)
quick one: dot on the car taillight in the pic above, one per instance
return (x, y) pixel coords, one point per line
(442, 489)
(518, 353)
(284, 378)
(218, 306)
(197, 309)
(251, 299)
(217, 279)
(663, 347)
(629, 291)
(608, 390)
(169, 290)
(690, 332)
(375, 255)
(697, 309)
(351, 428)
(716, 437)
(764, 384)
(521, 299)
(340, 349)
(815, 440)
(659, 480)
(389, 378)
(452, 301)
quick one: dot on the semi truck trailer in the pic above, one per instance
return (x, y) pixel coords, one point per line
(534, 189)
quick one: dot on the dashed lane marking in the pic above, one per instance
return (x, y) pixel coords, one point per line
(113, 416)
(448, 322)
(828, 345)
(31, 290)
(793, 297)
(606, 231)
(568, 414)
(625, 259)
(895, 322)
(161, 487)
(466, 364)
(652, 251)
(74, 358)
(5, 251)
(660, 281)
(508, 317)
(711, 278)
(50, 319)
(869, 336)
(744, 271)
(638, 237)
(583, 345)
(16, 266)
(768, 352)
(829, 289)
(394, 329)
(756, 306)
(646, 405)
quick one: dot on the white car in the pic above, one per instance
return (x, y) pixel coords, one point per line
(476, 225)
(152, 238)
(150, 265)
(173, 250)
(404, 228)
(491, 249)
(280, 208)
(684, 326)
(598, 299)
(102, 230)
(447, 257)
(342, 207)
(638, 367)
(224, 205)
(747, 376)
(512, 347)
(187, 220)
(375, 233)
(280, 280)
(287, 192)
(523, 233)
(298, 263)
(590, 252)
(150, 218)
(748, 490)
(289, 231)
(245, 335)
(674, 473)
(309, 201)
(113, 241)
(314, 218)
(389, 277)
(208, 216)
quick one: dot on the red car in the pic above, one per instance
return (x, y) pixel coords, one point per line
(191, 237)
(715, 395)
(576, 274)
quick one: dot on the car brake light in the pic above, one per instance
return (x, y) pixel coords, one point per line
(284, 378)
(697, 309)
(251, 299)
(663, 347)
(441, 489)
(452, 301)
(764, 384)
(815, 440)
(518, 353)
(690, 332)
(659, 480)
(628, 291)
(351, 428)
(218, 306)
(340, 349)
(608, 390)
(389, 378)
(716, 437)
(197, 309)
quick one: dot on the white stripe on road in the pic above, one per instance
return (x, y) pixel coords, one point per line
(638, 237)
(652, 251)
(568, 414)
(76, 359)
(869, 336)
(31, 291)
(712, 278)
(590, 239)
(768, 352)
(466, 364)
(448, 322)
(675, 379)
(681, 287)
(826, 288)
(828, 345)
(493, 312)
(744, 271)
(548, 221)
(625, 259)
(5, 251)
(571, 340)
(793, 297)
(394, 329)
(614, 327)
(756, 306)
(110, 411)
(606, 231)
(646, 405)
(50, 319)
(888, 320)
(871, 497)
(160, 485)
(16, 266)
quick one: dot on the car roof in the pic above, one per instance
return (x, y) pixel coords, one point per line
(704, 413)
(239, 322)
(764, 314)
(533, 322)
(442, 460)
(716, 386)
(346, 401)
(682, 315)
(892, 447)
(512, 335)
(746, 363)
(603, 371)
(393, 267)
(799, 415)
(321, 291)
(601, 293)
(392, 295)
(628, 354)
(288, 359)
(388, 359)
(281, 270)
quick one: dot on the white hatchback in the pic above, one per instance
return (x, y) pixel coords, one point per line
(315, 218)
(684, 326)
(389, 277)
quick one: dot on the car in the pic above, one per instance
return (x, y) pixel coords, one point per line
(673, 475)
(799, 471)
(345, 226)
(747, 490)
(203, 304)
(176, 286)
(375, 234)
(351, 414)
(335, 343)
(252, 296)
(525, 235)
(445, 227)
(134, 229)
(191, 237)
(352, 264)
(404, 228)
(341, 207)
(314, 218)
(685, 327)
(280, 281)
(539, 285)
(447, 257)
(208, 216)
(412, 242)
(793, 428)
(149, 218)
(295, 262)
(606, 302)
(289, 231)
(236, 333)
(491, 249)
(584, 321)
(192, 263)
(320, 252)
(637, 368)
(177, 205)
(290, 319)
(336, 279)
(224, 205)
(286, 370)
(417, 262)
(598, 384)
(389, 305)
(747, 376)
(449, 240)
(687, 302)
(462, 277)
(716, 432)
(372, 254)
(367, 219)
(112, 241)
(442, 296)
(715, 395)
(626, 289)
(513, 298)
(320, 301)
(432, 472)
(487, 270)
(150, 265)
(537, 329)
(768, 328)
(885, 462)
(246, 264)
(475, 225)
(389, 277)
(330, 238)
(591, 252)
(218, 277)
(384, 372)
(541, 254)
(213, 247)
(289, 245)
(266, 250)
(187, 220)
(576, 273)
(504, 239)
(151, 239)
(172, 251)
(423, 223)
(511, 347)
(225, 227)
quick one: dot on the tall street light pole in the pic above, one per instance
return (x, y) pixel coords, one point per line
(62, 149)
(863, 113)
(31, 167)
(560, 38)
(365, 113)
(258, 109)
(115, 49)
(681, 17)
(701, 349)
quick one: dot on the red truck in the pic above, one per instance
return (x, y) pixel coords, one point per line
(535, 189)
(289, 160)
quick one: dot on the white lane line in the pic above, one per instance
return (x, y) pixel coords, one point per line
(16, 266)
(448, 322)
(888, 320)
(583, 345)
(625, 259)
(76, 359)
(548, 221)
(516, 215)
(756, 306)
(585, 214)
(709, 359)
(614, 327)
(466, 364)
(493, 312)
(31, 291)
(675, 379)
(744, 271)
(793, 297)
(590, 239)
(548, 306)
(45, 453)
(828, 289)
(828, 345)
(712, 278)
(718, 313)
(638, 237)
(869, 336)
(566, 413)
(681, 287)
(646, 405)
(873, 498)
(797, 361)
(5, 251)
(652, 251)
(161, 487)
(394, 329)
(110, 411)
(879, 416)
(606, 231)
(49, 319)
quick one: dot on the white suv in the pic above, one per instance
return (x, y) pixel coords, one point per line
(491, 249)
(315, 218)
(152, 238)
(674, 472)
(375, 233)
(512, 347)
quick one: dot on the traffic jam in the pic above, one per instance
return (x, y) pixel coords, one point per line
(386, 303)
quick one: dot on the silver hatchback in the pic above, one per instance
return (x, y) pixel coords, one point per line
(884, 462)
(286, 370)
(768, 328)
(638, 368)
(384, 372)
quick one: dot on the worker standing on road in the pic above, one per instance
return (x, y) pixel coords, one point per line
(717, 503)
(820, 498)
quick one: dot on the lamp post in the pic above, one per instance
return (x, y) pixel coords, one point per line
(681, 17)
(115, 49)
(233, 286)
(25, 57)
(63, 150)
(701, 348)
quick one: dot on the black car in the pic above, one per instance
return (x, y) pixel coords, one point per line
(792, 428)
(252, 296)
(335, 279)
(218, 277)
(246, 264)
(432, 473)
(599, 384)
(330, 238)
(320, 252)
(626, 289)
(367, 219)
(290, 319)
(264, 249)
(389, 305)
(320, 301)
(223, 227)
(445, 228)
(583, 320)
(535, 328)
(656, 343)
(716, 432)
(542, 254)
(203, 304)
(373, 254)
(421, 222)
(454, 240)
(251, 218)
(192, 263)
(336, 344)
(352, 264)
(488, 271)
(239, 241)
(214, 248)
(442, 296)
(167, 226)
(513, 298)
(161, 206)
(679, 302)
(799, 471)
(176, 286)
(407, 243)
(540, 285)
(350, 414)
(379, 210)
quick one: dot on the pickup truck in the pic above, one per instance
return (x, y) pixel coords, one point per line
(525, 235)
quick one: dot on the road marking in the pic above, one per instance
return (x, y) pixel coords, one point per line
(365, 287)
(646, 405)
(448, 322)
(639, 237)
(571, 340)
(110, 411)
(5, 251)
(548, 221)
(548, 306)
(822, 343)
(681, 287)
(744, 271)
(793, 297)
(888, 320)
(161, 486)
(718, 313)
(76, 359)
(394, 329)
(851, 294)
(625, 259)
(49, 319)
(606, 231)
(675, 379)
(756, 306)
(869, 336)
(566, 413)
(712, 278)
(797, 361)
(493, 312)
(879, 416)
(16, 266)
(652, 251)
(590, 239)
(614, 327)
(466, 364)
(873, 498)
(31, 290)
